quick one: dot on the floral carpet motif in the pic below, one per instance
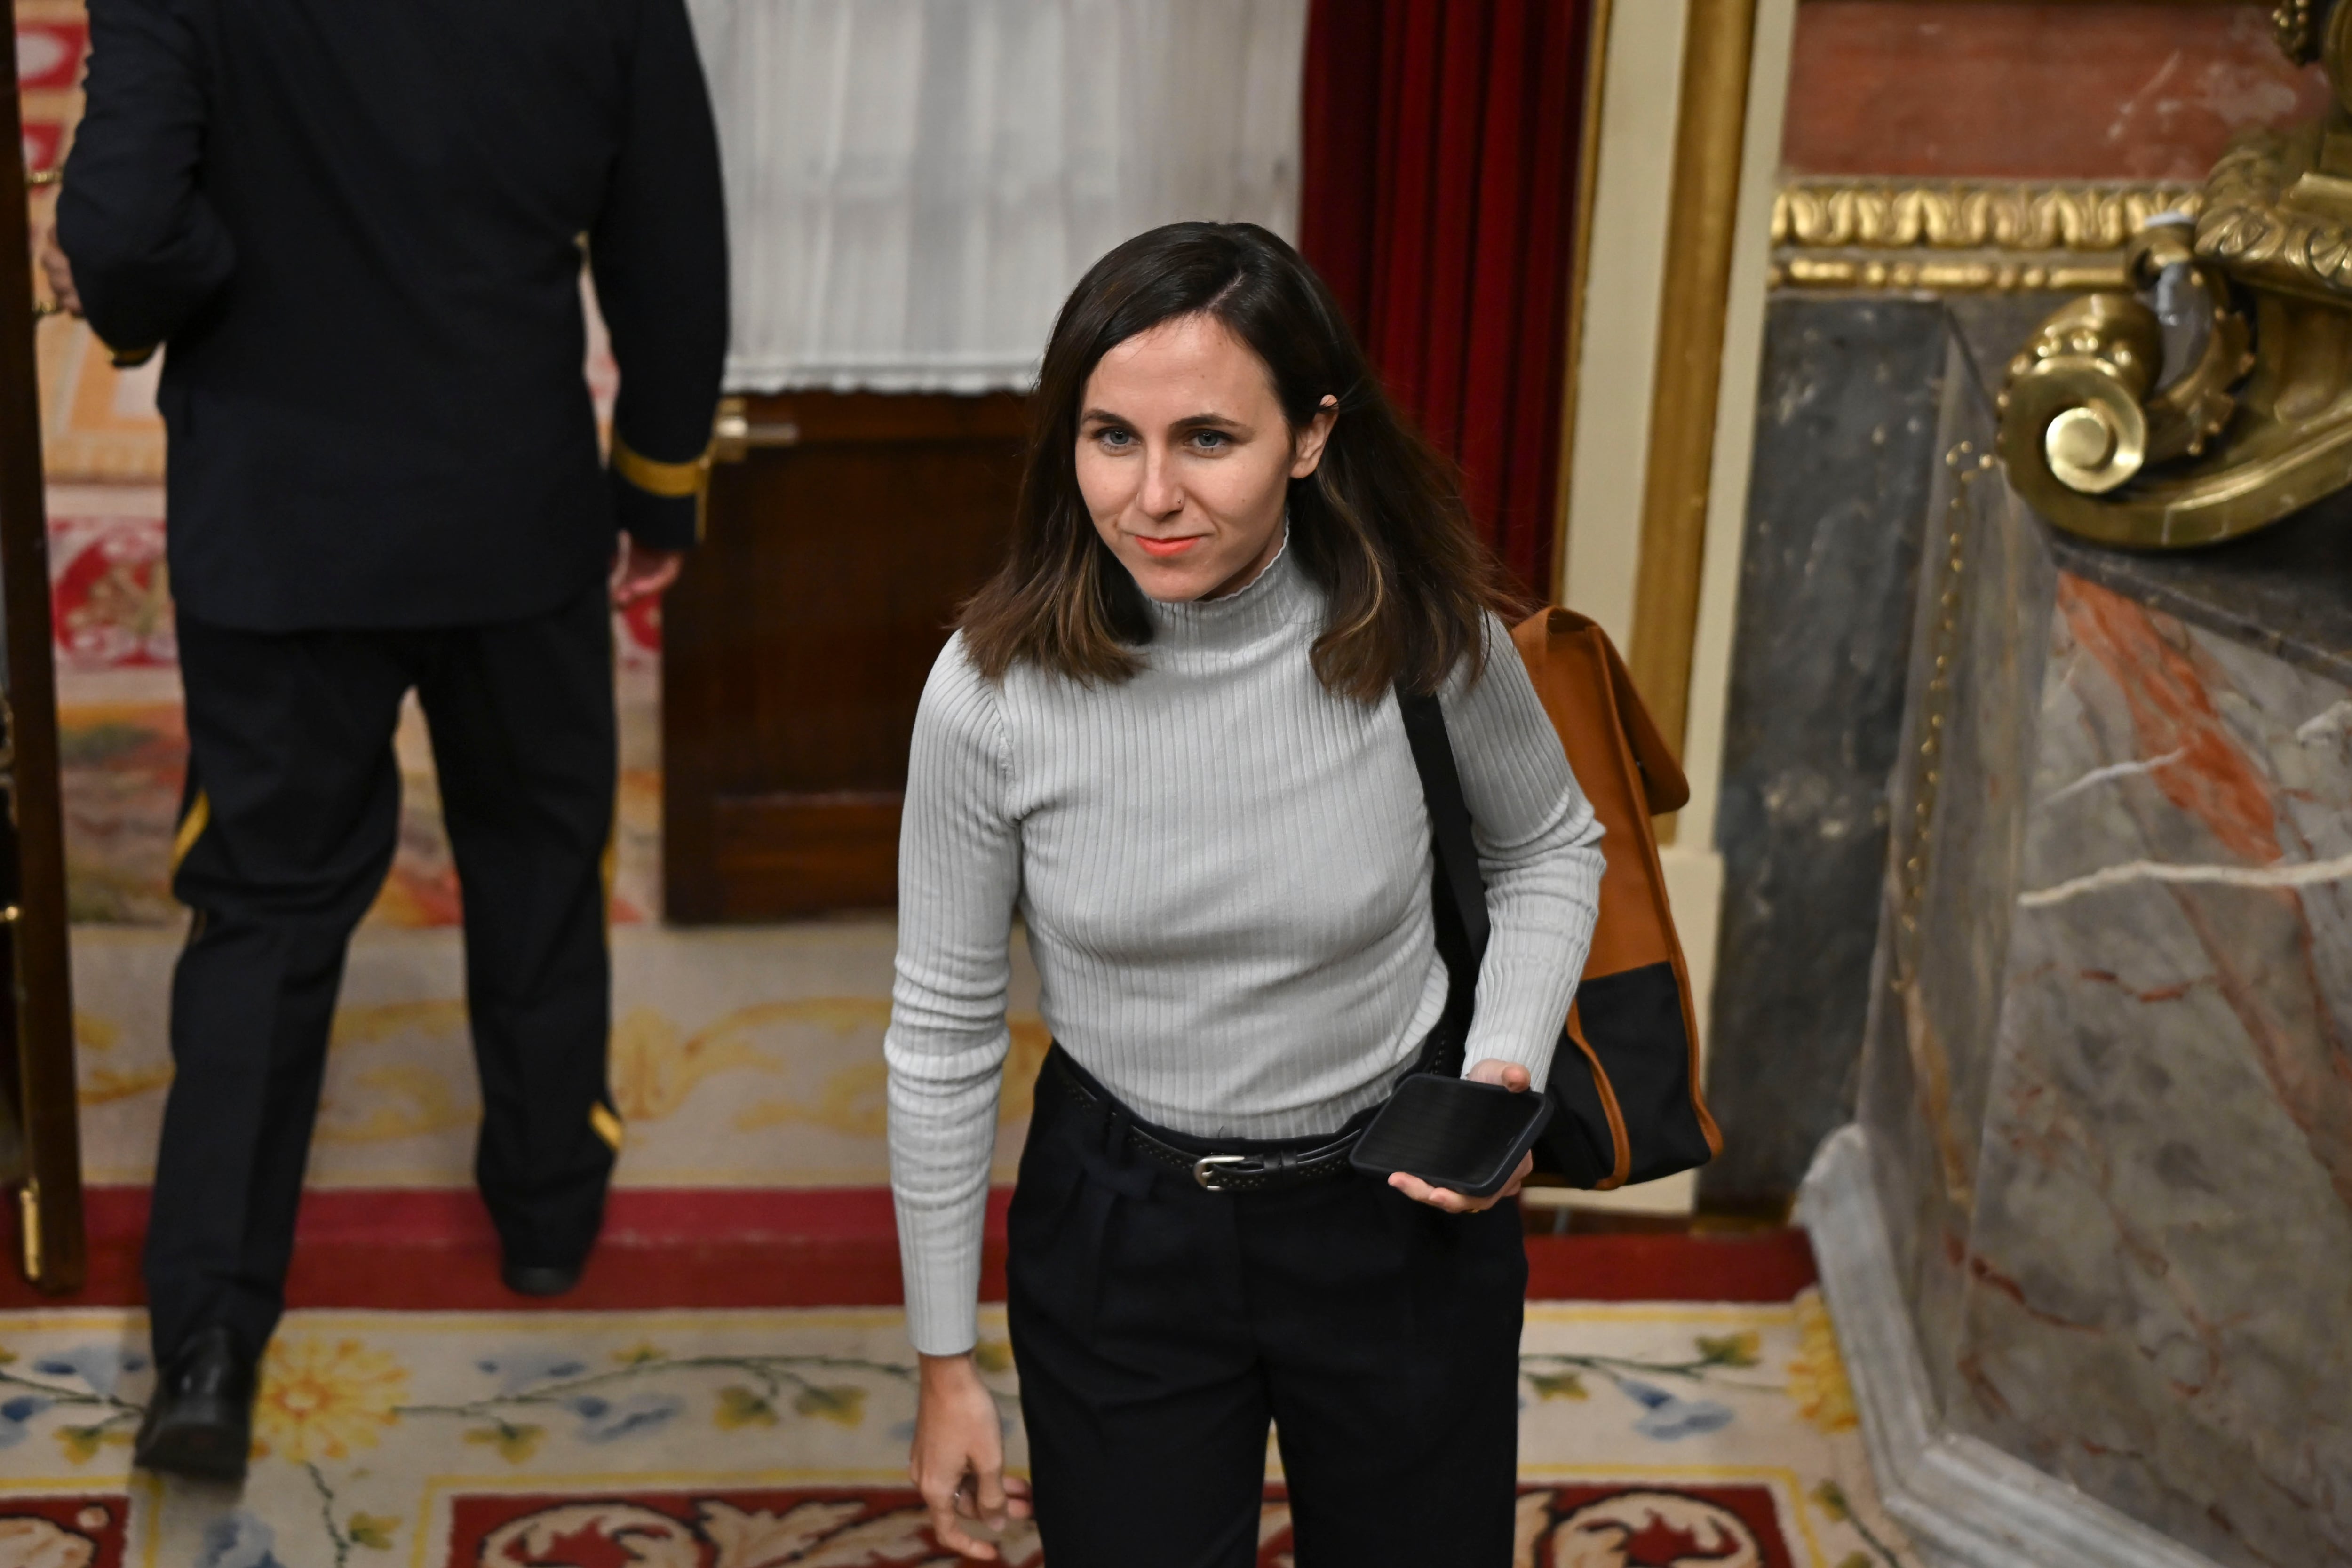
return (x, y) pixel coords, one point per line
(1654, 1436)
(1598, 1526)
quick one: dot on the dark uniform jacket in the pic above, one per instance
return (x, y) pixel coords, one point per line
(357, 226)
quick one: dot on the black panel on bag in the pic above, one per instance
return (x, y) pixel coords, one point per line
(1633, 1021)
(1578, 1147)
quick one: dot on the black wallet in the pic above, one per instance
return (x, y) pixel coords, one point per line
(1452, 1132)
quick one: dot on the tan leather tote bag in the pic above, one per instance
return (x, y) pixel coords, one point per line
(1627, 1105)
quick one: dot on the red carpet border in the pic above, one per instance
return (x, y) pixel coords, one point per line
(433, 1249)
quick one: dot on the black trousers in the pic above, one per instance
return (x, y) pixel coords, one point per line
(292, 813)
(1158, 1327)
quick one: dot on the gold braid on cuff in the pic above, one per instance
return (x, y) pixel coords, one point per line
(676, 480)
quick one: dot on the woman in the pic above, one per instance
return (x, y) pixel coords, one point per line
(1166, 732)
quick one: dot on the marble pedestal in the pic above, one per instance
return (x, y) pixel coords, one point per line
(2089, 1239)
(1846, 420)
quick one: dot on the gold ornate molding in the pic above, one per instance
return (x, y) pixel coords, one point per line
(1710, 132)
(2275, 218)
(2298, 39)
(1884, 215)
(1870, 234)
(1971, 276)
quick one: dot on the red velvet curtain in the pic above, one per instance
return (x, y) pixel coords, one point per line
(1438, 200)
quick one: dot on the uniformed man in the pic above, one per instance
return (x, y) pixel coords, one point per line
(357, 232)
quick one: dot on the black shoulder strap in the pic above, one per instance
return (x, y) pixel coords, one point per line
(1459, 899)
(1458, 883)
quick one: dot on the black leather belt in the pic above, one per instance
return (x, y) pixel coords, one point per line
(1260, 1170)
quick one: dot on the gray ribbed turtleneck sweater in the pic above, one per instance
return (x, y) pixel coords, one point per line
(1226, 873)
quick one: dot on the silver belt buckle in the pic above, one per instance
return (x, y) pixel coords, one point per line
(1204, 1169)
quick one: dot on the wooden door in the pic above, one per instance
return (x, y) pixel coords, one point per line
(840, 539)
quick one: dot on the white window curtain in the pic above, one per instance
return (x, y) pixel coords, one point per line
(914, 186)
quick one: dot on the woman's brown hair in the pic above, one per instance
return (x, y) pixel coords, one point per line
(1380, 525)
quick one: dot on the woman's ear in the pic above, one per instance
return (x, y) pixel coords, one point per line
(1308, 453)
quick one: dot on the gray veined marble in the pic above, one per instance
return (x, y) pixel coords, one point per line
(1837, 502)
(1944, 909)
(2287, 591)
(2173, 1094)
(2106, 1096)
(1838, 497)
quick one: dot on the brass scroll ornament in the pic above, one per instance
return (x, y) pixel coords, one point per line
(2087, 410)
(2236, 409)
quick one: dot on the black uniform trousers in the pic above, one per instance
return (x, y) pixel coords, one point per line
(292, 813)
(1158, 1327)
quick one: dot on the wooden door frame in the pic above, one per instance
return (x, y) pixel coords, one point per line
(33, 917)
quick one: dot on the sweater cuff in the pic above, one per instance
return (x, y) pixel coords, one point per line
(1536, 1056)
(944, 1331)
(942, 1299)
(660, 505)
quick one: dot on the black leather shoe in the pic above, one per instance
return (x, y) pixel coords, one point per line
(200, 1421)
(540, 1278)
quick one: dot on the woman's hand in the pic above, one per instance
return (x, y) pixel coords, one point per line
(958, 1463)
(640, 573)
(1511, 1076)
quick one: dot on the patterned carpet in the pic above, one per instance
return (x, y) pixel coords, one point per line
(1656, 1435)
